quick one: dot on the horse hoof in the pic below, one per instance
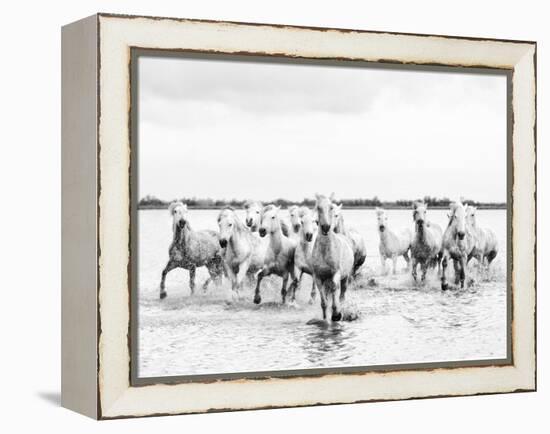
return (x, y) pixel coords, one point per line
(337, 316)
(162, 295)
(444, 286)
(257, 299)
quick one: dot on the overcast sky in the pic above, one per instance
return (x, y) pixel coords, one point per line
(233, 129)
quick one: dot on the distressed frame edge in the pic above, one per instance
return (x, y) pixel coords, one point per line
(528, 387)
(79, 139)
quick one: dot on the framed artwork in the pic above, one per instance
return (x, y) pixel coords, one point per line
(262, 216)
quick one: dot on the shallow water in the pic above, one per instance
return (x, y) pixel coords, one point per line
(399, 321)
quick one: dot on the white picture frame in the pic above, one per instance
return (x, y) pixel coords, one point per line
(96, 213)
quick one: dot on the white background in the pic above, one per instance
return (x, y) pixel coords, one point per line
(30, 217)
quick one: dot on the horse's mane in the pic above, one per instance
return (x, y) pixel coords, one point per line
(319, 197)
(269, 207)
(251, 202)
(418, 204)
(175, 204)
(453, 206)
(379, 211)
(238, 223)
(303, 210)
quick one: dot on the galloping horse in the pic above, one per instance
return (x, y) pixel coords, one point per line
(304, 249)
(191, 249)
(486, 244)
(295, 222)
(332, 260)
(458, 244)
(243, 253)
(392, 244)
(253, 210)
(279, 257)
(426, 243)
(357, 242)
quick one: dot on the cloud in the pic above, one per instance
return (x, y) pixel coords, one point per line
(233, 129)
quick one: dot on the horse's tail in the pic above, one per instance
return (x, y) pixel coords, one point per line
(359, 257)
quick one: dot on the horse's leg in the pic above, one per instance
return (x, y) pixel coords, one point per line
(424, 268)
(206, 283)
(407, 259)
(480, 264)
(462, 271)
(283, 288)
(343, 289)
(219, 271)
(170, 266)
(322, 296)
(382, 264)
(490, 257)
(335, 297)
(257, 297)
(414, 263)
(231, 276)
(250, 277)
(192, 270)
(241, 274)
(457, 271)
(313, 291)
(296, 283)
(211, 267)
(444, 263)
(394, 260)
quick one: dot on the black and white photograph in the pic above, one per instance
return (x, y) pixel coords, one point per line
(293, 216)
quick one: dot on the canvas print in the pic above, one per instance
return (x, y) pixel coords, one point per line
(295, 216)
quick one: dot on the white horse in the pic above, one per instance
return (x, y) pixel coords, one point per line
(191, 249)
(243, 253)
(279, 257)
(357, 242)
(304, 250)
(253, 214)
(295, 222)
(392, 244)
(486, 244)
(426, 243)
(458, 245)
(332, 260)
(253, 210)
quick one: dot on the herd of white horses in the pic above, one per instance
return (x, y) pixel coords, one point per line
(318, 242)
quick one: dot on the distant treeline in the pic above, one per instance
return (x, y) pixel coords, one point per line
(152, 202)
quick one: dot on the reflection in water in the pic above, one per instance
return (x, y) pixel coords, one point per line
(328, 343)
(399, 321)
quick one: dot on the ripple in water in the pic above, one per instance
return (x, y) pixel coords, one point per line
(394, 320)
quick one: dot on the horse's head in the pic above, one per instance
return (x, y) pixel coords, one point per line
(457, 219)
(382, 219)
(269, 222)
(471, 214)
(323, 208)
(178, 211)
(309, 223)
(227, 220)
(337, 216)
(253, 211)
(294, 212)
(420, 210)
